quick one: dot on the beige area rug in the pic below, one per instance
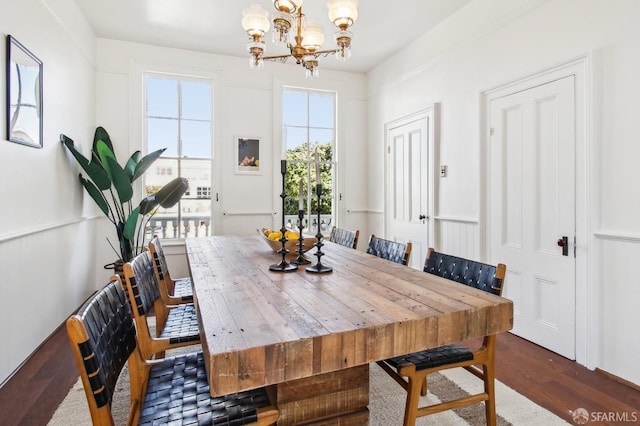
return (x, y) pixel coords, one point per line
(386, 403)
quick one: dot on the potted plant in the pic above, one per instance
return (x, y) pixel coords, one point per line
(110, 185)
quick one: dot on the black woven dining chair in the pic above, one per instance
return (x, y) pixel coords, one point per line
(172, 390)
(411, 370)
(173, 291)
(394, 251)
(344, 237)
(176, 325)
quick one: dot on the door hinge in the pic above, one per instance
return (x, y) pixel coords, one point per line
(491, 131)
(388, 150)
(574, 247)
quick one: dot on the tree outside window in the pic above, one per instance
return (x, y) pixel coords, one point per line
(308, 127)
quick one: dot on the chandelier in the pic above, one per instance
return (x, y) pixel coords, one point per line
(303, 38)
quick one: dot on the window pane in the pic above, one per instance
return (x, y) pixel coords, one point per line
(294, 137)
(321, 110)
(162, 97)
(198, 173)
(294, 109)
(196, 139)
(323, 138)
(161, 172)
(162, 133)
(196, 100)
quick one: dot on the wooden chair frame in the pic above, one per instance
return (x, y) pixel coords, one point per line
(482, 365)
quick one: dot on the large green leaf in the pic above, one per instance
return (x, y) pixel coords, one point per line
(105, 152)
(120, 180)
(146, 162)
(101, 135)
(95, 172)
(130, 167)
(171, 193)
(96, 194)
(148, 204)
(129, 231)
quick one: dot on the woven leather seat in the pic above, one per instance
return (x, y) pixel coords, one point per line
(344, 237)
(411, 370)
(172, 291)
(173, 390)
(391, 250)
(175, 325)
(433, 357)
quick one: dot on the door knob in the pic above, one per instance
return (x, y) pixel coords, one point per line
(422, 217)
(564, 243)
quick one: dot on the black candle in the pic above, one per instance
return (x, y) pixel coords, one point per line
(283, 166)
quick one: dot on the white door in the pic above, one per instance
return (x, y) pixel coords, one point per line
(407, 185)
(532, 210)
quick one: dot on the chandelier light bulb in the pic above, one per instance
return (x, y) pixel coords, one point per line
(343, 13)
(288, 6)
(312, 37)
(255, 21)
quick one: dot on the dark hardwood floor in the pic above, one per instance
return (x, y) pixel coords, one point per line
(32, 394)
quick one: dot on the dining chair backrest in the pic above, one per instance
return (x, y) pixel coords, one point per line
(103, 338)
(476, 274)
(143, 281)
(172, 291)
(391, 250)
(344, 237)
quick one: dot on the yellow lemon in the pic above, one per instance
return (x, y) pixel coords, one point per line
(292, 235)
(266, 232)
(275, 235)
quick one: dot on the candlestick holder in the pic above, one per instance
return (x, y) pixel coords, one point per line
(283, 266)
(300, 260)
(319, 268)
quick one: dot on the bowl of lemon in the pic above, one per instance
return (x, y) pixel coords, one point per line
(272, 238)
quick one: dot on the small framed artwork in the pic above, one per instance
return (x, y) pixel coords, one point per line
(247, 156)
(24, 95)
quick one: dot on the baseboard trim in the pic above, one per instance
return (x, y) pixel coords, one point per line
(618, 379)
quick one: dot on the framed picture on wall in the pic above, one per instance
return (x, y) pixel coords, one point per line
(247, 155)
(24, 95)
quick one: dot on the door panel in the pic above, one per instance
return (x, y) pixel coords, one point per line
(532, 187)
(408, 186)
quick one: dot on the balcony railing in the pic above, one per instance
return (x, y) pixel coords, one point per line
(167, 226)
(200, 226)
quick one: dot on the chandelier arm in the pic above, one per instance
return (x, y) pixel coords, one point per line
(315, 54)
(276, 57)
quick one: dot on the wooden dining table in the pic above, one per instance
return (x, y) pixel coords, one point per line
(311, 337)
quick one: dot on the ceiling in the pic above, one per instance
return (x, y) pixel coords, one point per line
(214, 26)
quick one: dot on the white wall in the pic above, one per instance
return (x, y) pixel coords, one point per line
(489, 43)
(46, 242)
